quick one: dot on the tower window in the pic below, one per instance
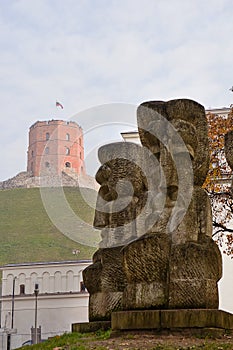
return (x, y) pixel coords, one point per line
(47, 165)
(80, 142)
(67, 151)
(47, 136)
(32, 153)
(80, 154)
(67, 137)
(68, 165)
(46, 150)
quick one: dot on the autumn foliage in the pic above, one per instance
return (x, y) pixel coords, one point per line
(218, 181)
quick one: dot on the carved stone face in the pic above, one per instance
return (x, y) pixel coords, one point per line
(179, 155)
(176, 133)
(122, 184)
(188, 117)
(116, 176)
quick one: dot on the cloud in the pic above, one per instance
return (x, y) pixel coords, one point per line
(86, 53)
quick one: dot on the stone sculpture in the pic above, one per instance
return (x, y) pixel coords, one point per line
(156, 250)
(176, 264)
(121, 197)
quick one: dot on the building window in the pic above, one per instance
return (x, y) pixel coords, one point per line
(80, 142)
(80, 154)
(46, 150)
(22, 289)
(82, 287)
(67, 151)
(68, 165)
(67, 137)
(32, 153)
(31, 166)
(81, 169)
(47, 136)
(47, 165)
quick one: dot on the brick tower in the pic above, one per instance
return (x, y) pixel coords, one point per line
(55, 146)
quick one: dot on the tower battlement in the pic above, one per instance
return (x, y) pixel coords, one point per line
(42, 123)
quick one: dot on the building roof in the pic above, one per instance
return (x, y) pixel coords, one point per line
(129, 132)
(219, 111)
(41, 263)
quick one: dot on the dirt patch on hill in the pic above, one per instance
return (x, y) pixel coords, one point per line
(149, 341)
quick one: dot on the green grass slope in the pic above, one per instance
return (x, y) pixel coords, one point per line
(102, 340)
(28, 235)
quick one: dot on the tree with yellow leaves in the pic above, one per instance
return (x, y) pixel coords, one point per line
(218, 181)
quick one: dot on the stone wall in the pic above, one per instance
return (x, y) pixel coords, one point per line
(25, 180)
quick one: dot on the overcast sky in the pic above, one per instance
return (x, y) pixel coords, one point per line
(112, 54)
(90, 53)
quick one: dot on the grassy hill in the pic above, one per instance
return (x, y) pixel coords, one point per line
(104, 340)
(28, 235)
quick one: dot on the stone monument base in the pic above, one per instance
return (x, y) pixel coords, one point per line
(94, 326)
(204, 322)
(209, 321)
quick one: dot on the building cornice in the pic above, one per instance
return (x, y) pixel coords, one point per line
(45, 263)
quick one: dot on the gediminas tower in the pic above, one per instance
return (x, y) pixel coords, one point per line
(55, 146)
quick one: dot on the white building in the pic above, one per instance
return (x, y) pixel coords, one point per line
(62, 299)
(221, 112)
(131, 136)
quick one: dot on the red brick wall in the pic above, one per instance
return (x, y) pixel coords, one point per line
(64, 147)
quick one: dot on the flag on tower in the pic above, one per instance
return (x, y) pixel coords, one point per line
(58, 104)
